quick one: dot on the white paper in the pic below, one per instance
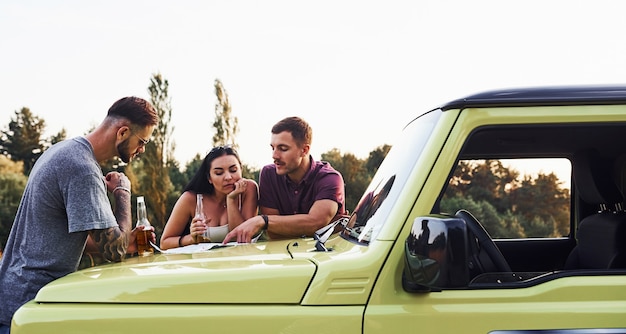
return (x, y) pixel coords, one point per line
(196, 248)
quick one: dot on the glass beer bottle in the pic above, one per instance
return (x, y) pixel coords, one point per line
(200, 214)
(143, 237)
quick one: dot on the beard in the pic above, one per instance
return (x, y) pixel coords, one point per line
(123, 152)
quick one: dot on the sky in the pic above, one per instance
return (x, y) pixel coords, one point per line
(356, 70)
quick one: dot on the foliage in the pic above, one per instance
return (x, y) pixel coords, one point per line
(151, 168)
(162, 137)
(12, 184)
(250, 173)
(507, 206)
(497, 225)
(543, 200)
(191, 168)
(376, 158)
(177, 177)
(59, 137)
(155, 174)
(226, 129)
(22, 141)
(354, 172)
(8, 166)
(226, 126)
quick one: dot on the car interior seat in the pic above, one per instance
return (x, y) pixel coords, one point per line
(601, 236)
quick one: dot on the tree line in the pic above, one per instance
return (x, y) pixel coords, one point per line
(513, 207)
(155, 174)
(506, 204)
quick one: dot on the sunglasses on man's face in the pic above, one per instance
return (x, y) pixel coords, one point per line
(144, 142)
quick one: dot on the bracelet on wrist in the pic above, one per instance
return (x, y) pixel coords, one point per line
(121, 188)
(180, 241)
(267, 222)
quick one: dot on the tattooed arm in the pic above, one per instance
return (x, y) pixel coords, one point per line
(113, 243)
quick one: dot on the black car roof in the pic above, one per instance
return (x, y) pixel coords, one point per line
(557, 95)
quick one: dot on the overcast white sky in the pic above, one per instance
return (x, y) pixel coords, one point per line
(358, 71)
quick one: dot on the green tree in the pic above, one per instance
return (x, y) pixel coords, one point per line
(159, 96)
(192, 166)
(250, 173)
(507, 206)
(542, 199)
(226, 127)
(22, 141)
(12, 184)
(225, 124)
(487, 181)
(355, 175)
(59, 137)
(177, 176)
(493, 221)
(376, 158)
(150, 170)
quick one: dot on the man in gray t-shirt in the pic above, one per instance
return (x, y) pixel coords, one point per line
(65, 206)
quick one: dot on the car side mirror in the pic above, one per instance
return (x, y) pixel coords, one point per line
(436, 254)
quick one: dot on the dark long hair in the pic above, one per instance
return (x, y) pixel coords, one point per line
(199, 183)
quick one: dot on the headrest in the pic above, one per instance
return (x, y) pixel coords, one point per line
(594, 179)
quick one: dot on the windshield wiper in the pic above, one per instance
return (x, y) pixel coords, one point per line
(325, 232)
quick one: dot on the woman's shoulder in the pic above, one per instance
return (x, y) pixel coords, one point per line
(188, 196)
(252, 189)
(252, 186)
(251, 182)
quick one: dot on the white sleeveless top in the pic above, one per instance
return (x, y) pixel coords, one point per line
(217, 233)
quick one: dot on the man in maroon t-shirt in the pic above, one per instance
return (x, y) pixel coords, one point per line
(298, 195)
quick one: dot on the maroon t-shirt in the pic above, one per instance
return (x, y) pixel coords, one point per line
(321, 182)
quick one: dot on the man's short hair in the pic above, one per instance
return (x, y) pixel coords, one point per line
(137, 110)
(300, 130)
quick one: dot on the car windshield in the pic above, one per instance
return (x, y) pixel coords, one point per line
(368, 217)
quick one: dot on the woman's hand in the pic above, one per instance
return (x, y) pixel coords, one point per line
(240, 188)
(197, 228)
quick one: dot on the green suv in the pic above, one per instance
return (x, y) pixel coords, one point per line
(500, 213)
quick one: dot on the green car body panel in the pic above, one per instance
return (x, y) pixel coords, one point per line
(359, 284)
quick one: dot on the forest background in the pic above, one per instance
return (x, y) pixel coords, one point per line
(158, 177)
(155, 174)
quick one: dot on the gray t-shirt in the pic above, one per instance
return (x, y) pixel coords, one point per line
(65, 197)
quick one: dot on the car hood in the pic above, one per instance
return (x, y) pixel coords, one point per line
(263, 272)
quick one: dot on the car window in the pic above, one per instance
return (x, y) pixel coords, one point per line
(372, 210)
(513, 198)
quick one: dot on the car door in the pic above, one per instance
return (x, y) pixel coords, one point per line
(546, 297)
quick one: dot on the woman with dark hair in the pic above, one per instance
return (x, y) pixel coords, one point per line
(228, 200)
